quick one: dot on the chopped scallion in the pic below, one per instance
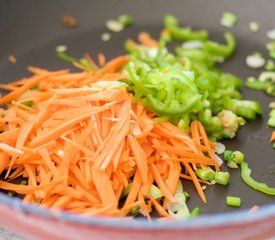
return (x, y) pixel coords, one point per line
(233, 201)
(228, 19)
(126, 20)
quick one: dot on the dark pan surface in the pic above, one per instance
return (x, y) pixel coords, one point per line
(31, 30)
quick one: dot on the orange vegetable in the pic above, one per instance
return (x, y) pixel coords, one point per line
(80, 147)
(272, 138)
(147, 40)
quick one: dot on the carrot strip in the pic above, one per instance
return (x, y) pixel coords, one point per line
(140, 158)
(173, 177)
(195, 181)
(190, 178)
(115, 64)
(8, 87)
(4, 161)
(19, 91)
(104, 187)
(272, 138)
(147, 40)
(57, 132)
(161, 184)
(101, 59)
(22, 189)
(133, 194)
(161, 211)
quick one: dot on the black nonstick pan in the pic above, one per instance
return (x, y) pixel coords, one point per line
(31, 29)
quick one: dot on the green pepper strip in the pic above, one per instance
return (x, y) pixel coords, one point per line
(245, 108)
(174, 108)
(181, 34)
(262, 187)
(222, 50)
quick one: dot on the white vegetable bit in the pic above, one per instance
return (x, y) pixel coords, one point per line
(272, 105)
(114, 25)
(61, 48)
(271, 34)
(195, 44)
(255, 61)
(218, 160)
(270, 46)
(105, 37)
(254, 26)
(220, 148)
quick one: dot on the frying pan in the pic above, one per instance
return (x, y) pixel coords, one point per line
(31, 30)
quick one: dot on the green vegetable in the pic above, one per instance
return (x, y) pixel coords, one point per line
(228, 19)
(24, 182)
(186, 85)
(265, 82)
(237, 157)
(126, 20)
(271, 118)
(271, 54)
(205, 174)
(233, 158)
(232, 164)
(227, 155)
(262, 187)
(134, 211)
(65, 57)
(222, 178)
(181, 34)
(126, 190)
(168, 91)
(155, 192)
(270, 65)
(84, 62)
(28, 103)
(11, 193)
(233, 201)
(245, 108)
(222, 50)
(195, 212)
(180, 209)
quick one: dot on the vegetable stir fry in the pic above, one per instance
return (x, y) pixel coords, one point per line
(121, 137)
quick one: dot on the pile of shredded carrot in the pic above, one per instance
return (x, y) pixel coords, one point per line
(80, 147)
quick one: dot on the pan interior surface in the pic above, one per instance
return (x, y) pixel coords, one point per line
(39, 30)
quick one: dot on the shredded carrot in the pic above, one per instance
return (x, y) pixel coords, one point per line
(79, 147)
(272, 138)
(101, 59)
(147, 40)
